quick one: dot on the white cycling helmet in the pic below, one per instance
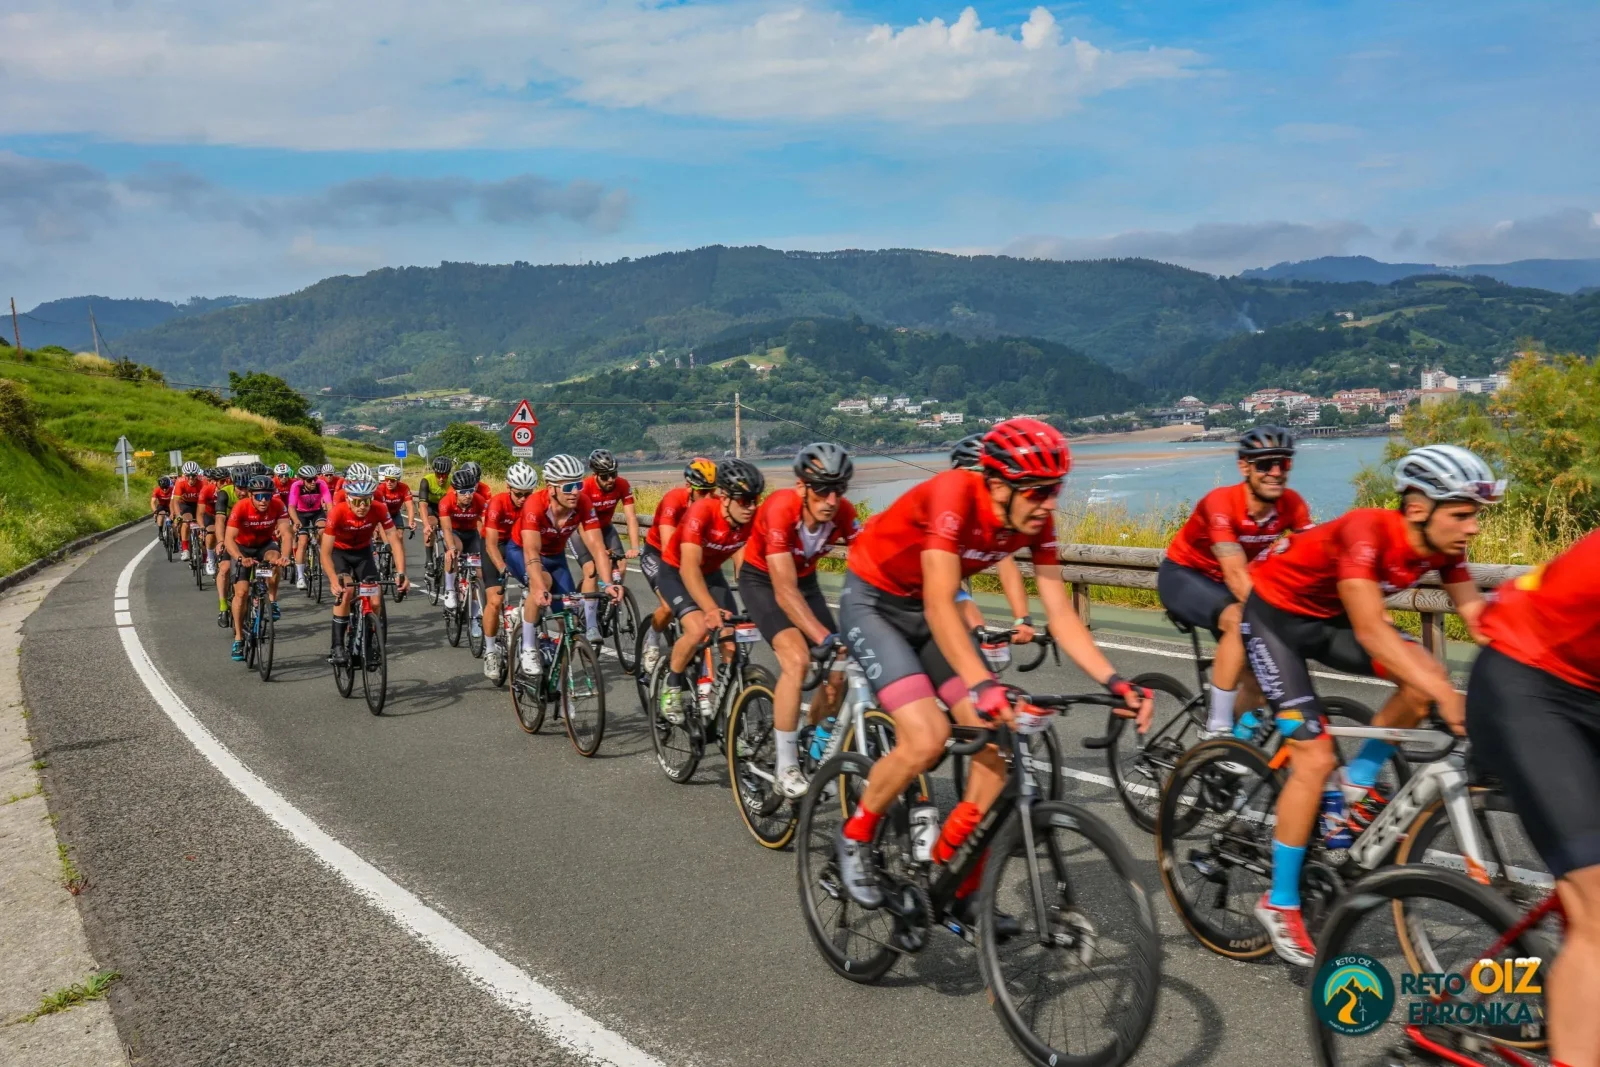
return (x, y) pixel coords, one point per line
(283, 470)
(307, 471)
(358, 472)
(388, 471)
(1448, 472)
(191, 469)
(359, 487)
(562, 468)
(522, 478)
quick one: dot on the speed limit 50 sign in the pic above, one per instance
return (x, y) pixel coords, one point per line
(522, 435)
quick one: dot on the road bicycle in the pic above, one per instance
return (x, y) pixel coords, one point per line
(1477, 946)
(1217, 815)
(1075, 982)
(433, 564)
(680, 746)
(197, 554)
(468, 612)
(750, 745)
(167, 533)
(315, 579)
(260, 632)
(619, 621)
(571, 683)
(642, 677)
(365, 640)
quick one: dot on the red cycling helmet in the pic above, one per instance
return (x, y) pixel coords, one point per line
(1020, 450)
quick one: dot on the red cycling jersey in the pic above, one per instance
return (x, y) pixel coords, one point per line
(352, 532)
(950, 512)
(255, 527)
(1549, 618)
(392, 495)
(706, 525)
(187, 490)
(161, 496)
(335, 482)
(1223, 517)
(501, 516)
(282, 485)
(779, 526)
(463, 512)
(605, 503)
(538, 515)
(669, 512)
(208, 499)
(1303, 571)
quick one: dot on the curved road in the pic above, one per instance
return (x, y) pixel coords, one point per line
(643, 903)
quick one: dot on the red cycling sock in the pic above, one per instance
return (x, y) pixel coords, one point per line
(863, 824)
(957, 828)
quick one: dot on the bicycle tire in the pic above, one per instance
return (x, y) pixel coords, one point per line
(434, 573)
(453, 622)
(266, 642)
(252, 628)
(816, 870)
(374, 665)
(625, 631)
(197, 564)
(1136, 774)
(1051, 782)
(475, 643)
(345, 677)
(1219, 787)
(166, 543)
(678, 748)
(317, 584)
(770, 817)
(527, 698)
(1386, 887)
(1135, 978)
(587, 734)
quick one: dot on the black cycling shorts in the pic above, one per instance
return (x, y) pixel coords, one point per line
(256, 553)
(761, 602)
(889, 636)
(669, 583)
(1192, 597)
(613, 543)
(309, 520)
(186, 512)
(357, 563)
(1280, 642)
(1541, 735)
(471, 540)
(650, 564)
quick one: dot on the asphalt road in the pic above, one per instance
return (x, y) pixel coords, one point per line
(644, 903)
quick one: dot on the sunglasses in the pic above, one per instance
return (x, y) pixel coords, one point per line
(1269, 464)
(744, 501)
(826, 491)
(570, 487)
(1038, 494)
(260, 496)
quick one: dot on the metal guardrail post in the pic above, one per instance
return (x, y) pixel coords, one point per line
(1080, 600)
(1433, 638)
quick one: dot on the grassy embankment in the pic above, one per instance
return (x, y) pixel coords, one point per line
(60, 417)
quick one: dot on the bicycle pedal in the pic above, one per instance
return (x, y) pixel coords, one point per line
(1207, 867)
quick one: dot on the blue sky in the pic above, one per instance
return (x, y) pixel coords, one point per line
(168, 148)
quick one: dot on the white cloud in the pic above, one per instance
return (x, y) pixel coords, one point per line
(1573, 233)
(369, 74)
(1222, 248)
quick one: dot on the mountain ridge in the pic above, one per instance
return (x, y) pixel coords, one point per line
(1566, 276)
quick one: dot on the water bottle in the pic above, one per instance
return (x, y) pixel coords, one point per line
(1335, 831)
(1245, 729)
(819, 737)
(547, 649)
(924, 831)
(702, 690)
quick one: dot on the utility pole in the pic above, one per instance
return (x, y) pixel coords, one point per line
(16, 334)
(738, 443)
(94, 328)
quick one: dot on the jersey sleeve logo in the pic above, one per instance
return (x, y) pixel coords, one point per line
(948, 525)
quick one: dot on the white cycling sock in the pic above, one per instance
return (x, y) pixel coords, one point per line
(211, 556)
(299, 572)
(530, 636)
(788, 748)
(1221, 716)
(591, 614)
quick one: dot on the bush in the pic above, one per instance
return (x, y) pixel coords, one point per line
(462, 442)
(301, 443)
(19, 419)
(209, 396)
(269, 395)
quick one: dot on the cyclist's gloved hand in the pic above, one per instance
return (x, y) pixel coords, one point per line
(1140, 701)
(992, 700)
(823, 652)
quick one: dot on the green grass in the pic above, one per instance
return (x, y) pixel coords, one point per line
(93, 988)
(72, 879)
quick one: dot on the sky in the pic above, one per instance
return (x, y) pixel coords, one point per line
(170, 148)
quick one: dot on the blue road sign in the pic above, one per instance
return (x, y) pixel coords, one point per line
(399, 450)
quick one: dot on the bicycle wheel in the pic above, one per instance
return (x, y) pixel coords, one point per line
(1044, 763)
(374, 665)
(475, 614)
(1215, 822)
(527, 694)
(266, 642)
(345, 677)
(252, 627)
(1140, 765)
(1080, 990)
(625, 632)
(752, 754)
(1463, 920)
(166, 543)
(854, 940)
(197, 563)
(583, 697)
(433, 569)
(678, 746)
(315, 581)
(453, 620)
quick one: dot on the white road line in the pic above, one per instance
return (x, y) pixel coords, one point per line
(503, 980)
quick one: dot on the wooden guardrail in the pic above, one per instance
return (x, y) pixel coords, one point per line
(1122, 567)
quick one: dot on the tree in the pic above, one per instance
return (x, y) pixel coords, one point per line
(462, 442)
(269, 395)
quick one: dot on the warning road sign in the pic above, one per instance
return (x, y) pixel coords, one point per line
(523, 415)
(522, 435)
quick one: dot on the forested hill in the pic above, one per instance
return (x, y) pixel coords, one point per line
(456, 324)
(66, 322)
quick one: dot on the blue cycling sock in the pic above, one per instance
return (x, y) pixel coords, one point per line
(1286, 862)
(1363, 770)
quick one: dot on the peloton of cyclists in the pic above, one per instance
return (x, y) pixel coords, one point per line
(257, 529)
(347, 558)
(605, 490)
(699, 478)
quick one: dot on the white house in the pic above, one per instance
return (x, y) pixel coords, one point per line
(852, 407)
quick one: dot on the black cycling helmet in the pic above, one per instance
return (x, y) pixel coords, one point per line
(1266, 441)
(464, 480)
(164, 482)
(441, 465)
(601, 461)
(222, 476)
(740, 480)
(260, 483)
(967, 453)
(472, 466)
(824, 465)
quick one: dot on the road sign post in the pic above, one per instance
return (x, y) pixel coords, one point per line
(522, 423)
(175, 459)
(124, 453)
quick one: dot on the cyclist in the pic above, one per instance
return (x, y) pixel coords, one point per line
(898, 612)
(968, 455)
(186, 502)
(161, 504)
(699, 477)
(309, 501)
(330, 474)
(346, 547)
(356, 472)
(605, 490)
(1533, 712)
(206, 513)
(282, 479)
(395, 495)
(547, 519)
(430, 490)
(792, 529)
(257, 529)
(690, 579)
(1204, 579)
(217, 533)
(460, 515)
(502, 555)
(1319, 595)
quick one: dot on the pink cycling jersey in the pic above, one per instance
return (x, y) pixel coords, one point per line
(304, 500)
